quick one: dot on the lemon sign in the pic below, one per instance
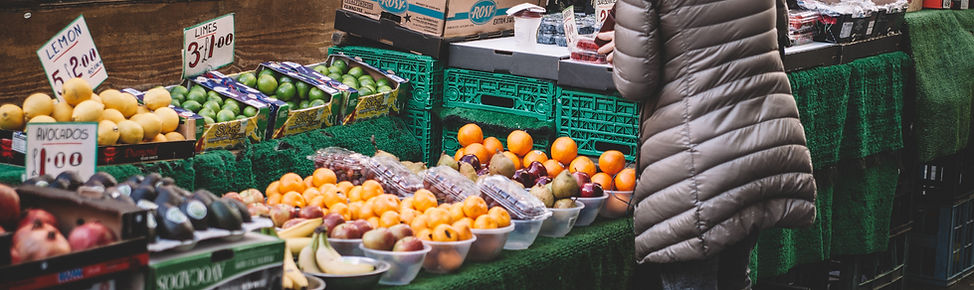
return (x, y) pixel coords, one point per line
(71, 54)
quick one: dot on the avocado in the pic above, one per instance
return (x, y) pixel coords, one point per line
(142, 192)
(42, 181)
(172, 224)
(105, 179)
(197, 213)
(168, 181)
(205, 196)
(136, 179)
(225, 216)
(168, 194)
(241, 208)
(116, 194)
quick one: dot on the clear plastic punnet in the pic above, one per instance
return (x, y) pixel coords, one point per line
(347, 165)
(448, 185)
(394, 177)
(501, 191)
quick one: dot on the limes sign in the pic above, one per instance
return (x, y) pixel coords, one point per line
(53, 148)
(208, 46)
(71, 54)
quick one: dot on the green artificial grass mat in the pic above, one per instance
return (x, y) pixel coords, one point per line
(942, 47)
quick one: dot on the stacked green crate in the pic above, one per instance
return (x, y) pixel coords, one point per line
(598, 121)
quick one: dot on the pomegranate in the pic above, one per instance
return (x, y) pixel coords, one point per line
(90, 235)
(39, 241)
(37, 214)
(9, 205)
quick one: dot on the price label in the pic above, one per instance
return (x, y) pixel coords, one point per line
(571, 31)
(602, 10)
(208, 46)
(53, 148)
(71, 54)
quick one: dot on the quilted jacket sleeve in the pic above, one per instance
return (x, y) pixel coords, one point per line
(636, 59)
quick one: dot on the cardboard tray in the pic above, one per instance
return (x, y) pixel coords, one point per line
(502, 55)
(359, 108)
(303, 120)
(231, 134)
(13, 147)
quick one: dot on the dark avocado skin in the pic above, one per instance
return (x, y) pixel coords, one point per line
(169, 195)
(169, 230)
(198, 224)
(225, 216)
(241, 208)
(104, 178)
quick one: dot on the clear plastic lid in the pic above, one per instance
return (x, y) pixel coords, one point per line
(449, 185)
(394, 177)
(501, 191)
(347, 165)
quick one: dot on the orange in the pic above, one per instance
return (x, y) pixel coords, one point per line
(342, 209)
(310, 193)
(326, 187)
(272, 189)
(309, 181)
(389, 219)
(582, 164)
(407, 203)
(467, 222)
(353, 209)
(612, 161)
(458, 155)
(293, 198)
(477, 149)
(474, 206)
(423, 199)
(407, 215)
(324, 176)
(456, 212)
(445, 233)
(514, 158)
(438, 216)
(553, 167)
(493, 145)
(534, 155)
(500, 216)
(445, 206)
(331, 198)
(519, 142)
(470, 134)
(626, 180)
(370, 189)
(291, 182)
(484, 222)
(318, 201)
(603, 179)
(425, 234)
(374, 221)
(419, 223)
(365, 211)
(564, 150)
(274, 199)
(463, 231)
(385, 203)
(345, 186)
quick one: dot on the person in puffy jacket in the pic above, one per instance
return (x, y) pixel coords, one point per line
(722, 152)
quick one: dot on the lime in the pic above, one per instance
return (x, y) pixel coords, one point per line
(284, 79)
(351, 83)
(316, 94)
(356, 72)
(383, 89)
(206, 112)
(267, 72)
(335, 70)
(303, 104)
(285, 91)
(192, 105)
(225, 115)
(340, 64)
(178, 90)
(335, 76)
(250, 111)
(248, 79)
(302, 89)
(212, 105)
(196, 96)
(365, 77)
(217, 99)
(180, 96)
(241, 117)
(293, 105)
(382, 82)
(321, 69)
(266, 84)
(198, 89)
(235, 102)
(233, 107)
(208, 120)
(366, 82)
(365, 91)
(213, 94)
(315, 103)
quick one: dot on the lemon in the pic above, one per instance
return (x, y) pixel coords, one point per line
(141, 110)
(151, 124)
(87, 111)
(157, 98)
(38, 104)
(159, 138)
(11, 117)
(129, 132)
(107, 133)
(95, 97)
(112, 115)
(169, 118)
(42, 119)
(174, 136)
(75, 91)
(123, 102)
(62, 112)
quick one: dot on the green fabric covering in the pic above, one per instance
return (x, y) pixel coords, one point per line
(390, 133)
(221, 171)
(942, 48)
(822, 95)
(10, 174)
(862, 205)
(876, 88)
(180, 170)
(599, 256)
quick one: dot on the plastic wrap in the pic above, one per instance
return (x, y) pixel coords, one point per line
(394, 177)
(501, 191)
(347, 165)
(586, 51)
(448, 185)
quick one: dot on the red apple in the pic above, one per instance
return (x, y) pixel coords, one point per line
(90, 235)
(233, 195)
(252, 195)
(331, 220)
(345, 231)
(543, 180)
(401, 231)
(280, 214)
(408, 244)
(379, 239)
(38, 214)
(259, 209)
(582, 178)
(472, 160)
(363, 225)
(310, 212)
(592, 189)
(537, 170)
(523, 177)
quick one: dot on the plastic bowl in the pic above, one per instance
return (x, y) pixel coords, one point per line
(489, 243)
(347, 247)
(446, 257)
(591, 210)
(314, 283)
(561, 221)
(617, 205)
(525, 231)
(403, 266)
(360, 281)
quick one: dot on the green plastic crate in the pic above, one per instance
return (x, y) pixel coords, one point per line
(598, 122)
(505, 93)
(420, 122)
(425, 73)
(451, 145)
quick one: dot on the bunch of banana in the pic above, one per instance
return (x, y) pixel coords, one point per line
(293, 278)
(320, 257)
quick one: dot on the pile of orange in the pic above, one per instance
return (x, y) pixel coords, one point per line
(449, 222)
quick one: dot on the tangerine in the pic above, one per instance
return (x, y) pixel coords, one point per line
(438, 216)
(424, 234)
(407, 215)
(456, 212)
(564, 150)
(310, 193)
(324, 176)
(291, 182)
(385, 203)
(345, 186)
(493, 145)
(534, 155)
(353, 209)
(332, 198)
(474, 206)
(365, 212)
(274, 199)
(626, 180)
(293, 198)
(463, 231)
(582, 164)
(407, 203)
(423, 199)
(318, 201)
(355, 194)
(458, 155)
(419, 223)
(445, 233)
(519, 142)
(374, 222)
(603, 179)
(389, 219)
(470, 134)
(484, 222)
(612, 161)
(500, 216)
(477, 149)
(371, 188)
(272, 189)
(341, 209)
(553, 167)
(514, 158)
(465, 221)
(309, 181)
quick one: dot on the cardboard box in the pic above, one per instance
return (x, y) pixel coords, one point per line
(279, 110)
(303, 120)
(357, 107)
(13, 147)
(502, 55)
(231, 134)
(441, 18)
(355, 29)
(191, 125)
(254, 262)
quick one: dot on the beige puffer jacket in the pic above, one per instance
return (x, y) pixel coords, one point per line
(722, 153)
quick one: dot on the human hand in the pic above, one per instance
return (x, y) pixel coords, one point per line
(609, 47)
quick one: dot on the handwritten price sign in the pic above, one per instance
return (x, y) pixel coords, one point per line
(571, 30)
(208, 46)
(71, 54)
(53, 148)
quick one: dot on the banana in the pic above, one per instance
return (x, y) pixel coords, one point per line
(296, 244)
(339, 267)
(292, 273)
(302, 229)
(306, 261)
(286, 283)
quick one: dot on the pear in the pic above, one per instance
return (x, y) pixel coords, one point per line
(564, 185)
(447, 160)
(467, 170)
(543, 194)
(565, 203)
(386, 154)
(501, 165)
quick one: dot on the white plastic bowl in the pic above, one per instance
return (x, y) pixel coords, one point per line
(591, 210)
(489, 243)
(347, 247)
(404, 266)
(561, 221)
(525, 231)
(446, 257)
(617, 205)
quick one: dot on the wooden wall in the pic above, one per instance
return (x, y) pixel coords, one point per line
(140, 41)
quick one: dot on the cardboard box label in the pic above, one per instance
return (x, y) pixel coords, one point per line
(441, 18)
(250, 264)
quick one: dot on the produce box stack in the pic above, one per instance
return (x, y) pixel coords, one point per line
(378, 90)
(231, 117)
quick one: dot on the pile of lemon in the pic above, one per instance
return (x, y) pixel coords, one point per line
(121, 119)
